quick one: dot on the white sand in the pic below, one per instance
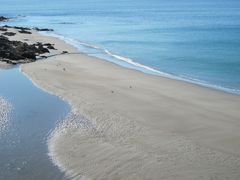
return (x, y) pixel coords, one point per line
(129, 125)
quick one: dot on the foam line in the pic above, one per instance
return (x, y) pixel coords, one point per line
(137, 66)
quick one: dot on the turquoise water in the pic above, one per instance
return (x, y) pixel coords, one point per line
(198, 41)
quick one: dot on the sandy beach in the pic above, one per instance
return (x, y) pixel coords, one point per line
(129, 125)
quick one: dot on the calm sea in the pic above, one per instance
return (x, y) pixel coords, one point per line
(198, 41)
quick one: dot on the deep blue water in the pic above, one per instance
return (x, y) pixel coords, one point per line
(195, 40)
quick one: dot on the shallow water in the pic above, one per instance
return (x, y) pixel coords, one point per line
(34, 113)
(194, 40)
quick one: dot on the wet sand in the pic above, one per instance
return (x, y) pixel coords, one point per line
(130, 125)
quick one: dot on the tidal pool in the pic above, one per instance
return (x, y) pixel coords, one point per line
(34, 113)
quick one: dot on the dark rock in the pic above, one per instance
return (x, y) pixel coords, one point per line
(20, 28)
(27, 29)
(44, 57)
(15, 52)
(17, 27)
(9, 33)
(64, 52)
(6, 26)
(29, 55)
(3, 38)
(3, 29)
(41, 49)
(2, 18)
(44, 29)
(24, 32)
(49, 46)
(13, 63)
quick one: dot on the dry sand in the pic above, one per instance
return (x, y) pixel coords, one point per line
(129, 125)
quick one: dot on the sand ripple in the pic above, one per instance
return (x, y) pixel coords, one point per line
(110, 149)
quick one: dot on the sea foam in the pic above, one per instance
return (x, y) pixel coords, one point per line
(132, 64)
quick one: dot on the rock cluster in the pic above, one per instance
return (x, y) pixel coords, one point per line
(44, 29)
(2, 18)
(3, 29)
(25, 32)
(15, 52)
(49, 46)
(9, 33)
(17, 27)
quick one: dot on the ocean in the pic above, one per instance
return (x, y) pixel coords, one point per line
(190, 40)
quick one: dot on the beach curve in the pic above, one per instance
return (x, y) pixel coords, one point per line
(142, 126)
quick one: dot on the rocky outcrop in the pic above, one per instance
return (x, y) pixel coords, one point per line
(16, 52)
(49, 46)
(64, 52)
(3, 29)
(24, 32)
(44, 29)
(9, 33)
(18, 28)
(2, 18)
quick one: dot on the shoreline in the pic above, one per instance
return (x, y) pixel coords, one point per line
(133, 65)
(141, 126)
(127, 63)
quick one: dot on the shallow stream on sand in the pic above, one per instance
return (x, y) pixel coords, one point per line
(32, 115)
